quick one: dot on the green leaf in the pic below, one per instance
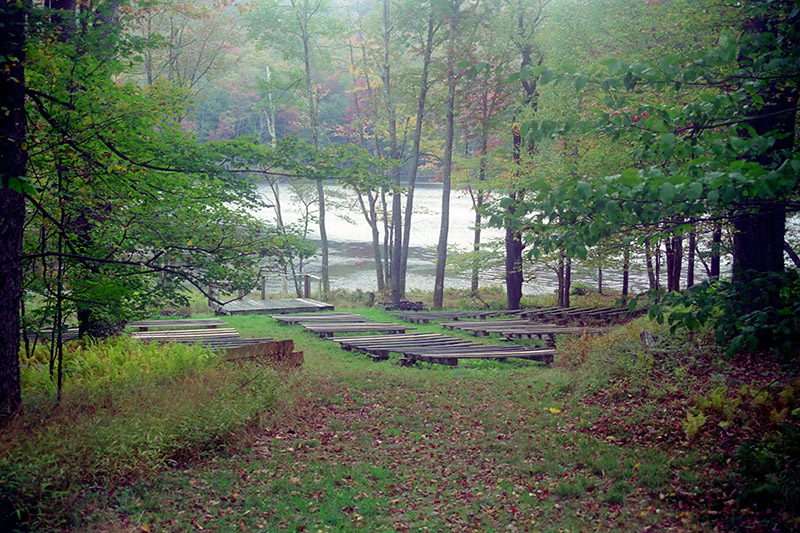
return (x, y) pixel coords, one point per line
(694, 191)
(584, 190)
(666, 193)
(630, 177)
(667, 144)
(546, 76)
(580, 82)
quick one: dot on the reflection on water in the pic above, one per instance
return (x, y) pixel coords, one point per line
(352, 264)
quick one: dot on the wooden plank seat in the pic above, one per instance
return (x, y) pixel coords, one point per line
(451, 359)
(436, 348)
(297, 318)
(185, 333)
(207, 323)
(425, 317)
(553, 312)
(330, 329)
(484, 325)
(380, 346)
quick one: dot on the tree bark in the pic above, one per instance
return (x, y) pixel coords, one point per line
(690, 258)
(626, 261)
(397, 215)
(716, 250)
(441, 248)
(759, 230)
(13, 163)
(412, 180)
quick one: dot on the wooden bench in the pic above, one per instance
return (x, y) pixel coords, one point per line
(425, 317)
(298, 318)
(330, 329)
(207, 323)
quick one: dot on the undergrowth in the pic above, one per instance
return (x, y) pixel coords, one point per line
(681, 390)
(128, 409)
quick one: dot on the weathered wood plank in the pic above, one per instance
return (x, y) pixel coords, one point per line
(145, 325)
(273, 306)
(296, 318)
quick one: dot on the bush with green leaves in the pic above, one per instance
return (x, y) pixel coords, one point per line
(752, 313)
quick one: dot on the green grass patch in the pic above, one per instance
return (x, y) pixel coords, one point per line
(128, 410)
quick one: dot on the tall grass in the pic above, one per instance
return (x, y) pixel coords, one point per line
(128, 409)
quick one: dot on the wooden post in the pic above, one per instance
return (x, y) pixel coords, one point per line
(263, 287)
(307, 286)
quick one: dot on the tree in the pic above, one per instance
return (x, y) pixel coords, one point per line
(718, 147)
(13, 172)
(454, 15)
(528, 17)
(306, 21)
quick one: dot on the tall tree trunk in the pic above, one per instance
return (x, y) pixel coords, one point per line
(397, 215)
(652, 278)
(13, 167)
(530, 56)
(441, 248)
(690, 258)
(716, 250)
(513, 236)
(303, 20)
(478, 202)
(600, 280)
(792, 254)
(626, 262)
(759, 230)
(674, 261)
(371, 216)
(412, 179)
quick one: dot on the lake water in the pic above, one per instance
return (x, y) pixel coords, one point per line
(351, 257)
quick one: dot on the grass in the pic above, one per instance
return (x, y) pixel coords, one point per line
(595, 442)
(128, 411)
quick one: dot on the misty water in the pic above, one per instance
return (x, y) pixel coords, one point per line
(352, 264)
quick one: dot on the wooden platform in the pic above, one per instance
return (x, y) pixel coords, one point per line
(519, 329)
(276, 306)
(145, 325)
(297, 318)
(436, 348)
(425, 317)
(332, 328)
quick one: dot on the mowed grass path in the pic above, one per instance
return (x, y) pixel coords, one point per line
(370, 446)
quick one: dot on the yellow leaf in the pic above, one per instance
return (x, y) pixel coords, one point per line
(145, 528)
(555, 410)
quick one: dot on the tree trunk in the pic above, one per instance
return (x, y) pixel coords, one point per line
(412, 180)
(716, 250)
(674, 261)
(690, 259)
(792, 254)
(626, 262)
(513, 242)
(600, 280)
(759, 230)
(441, 248)
(651, 274)
(13, 163)
(397, 215)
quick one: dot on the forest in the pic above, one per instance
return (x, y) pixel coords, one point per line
(135, 137)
